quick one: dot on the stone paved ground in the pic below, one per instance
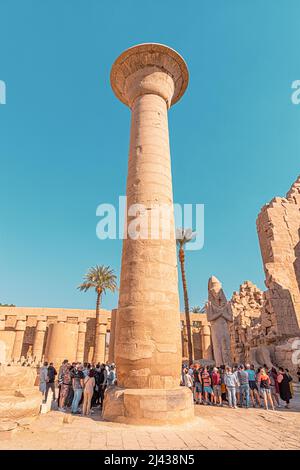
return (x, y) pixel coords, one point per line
(212, 428)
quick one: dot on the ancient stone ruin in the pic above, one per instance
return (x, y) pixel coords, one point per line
(20, 399)
(278, 227)
(51, 334)
(264, 330)
(245, 330)
(266, 326)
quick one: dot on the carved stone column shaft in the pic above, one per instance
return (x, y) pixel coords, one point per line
(39, 338)
(19, 337)
(149, 78)
(81, 341)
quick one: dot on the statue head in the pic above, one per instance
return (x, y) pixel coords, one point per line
(215, 292)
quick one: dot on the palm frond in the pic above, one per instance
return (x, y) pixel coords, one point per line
(101, 278)
(184, 235)
(196, 309)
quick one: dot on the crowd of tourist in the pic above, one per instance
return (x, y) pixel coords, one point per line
(238, 386)
(81, 386)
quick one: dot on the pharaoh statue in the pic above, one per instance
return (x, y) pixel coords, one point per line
(219, 315)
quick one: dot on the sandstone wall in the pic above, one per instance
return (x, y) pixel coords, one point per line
(25, 331)
(246, 305)
(10, 315)
(278, 227)
(266, 326)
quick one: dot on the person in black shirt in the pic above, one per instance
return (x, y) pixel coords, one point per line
(50, 381)
(78, 385)
(96, 395)
(197, 384)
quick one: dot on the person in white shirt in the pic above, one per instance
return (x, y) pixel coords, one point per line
(111, 377)
(43, 378)
(188, 380)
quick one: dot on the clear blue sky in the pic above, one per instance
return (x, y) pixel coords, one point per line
(235, 135)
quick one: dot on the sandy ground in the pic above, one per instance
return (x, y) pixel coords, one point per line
(212, 428)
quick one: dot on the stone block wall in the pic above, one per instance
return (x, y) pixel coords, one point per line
(278, 227)
(246, 305)
(24, 332)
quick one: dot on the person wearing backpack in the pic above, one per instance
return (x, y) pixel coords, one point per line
(265, 388)
(50, 381)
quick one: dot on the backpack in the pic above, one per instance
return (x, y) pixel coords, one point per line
(264, 384)
(51, 374)
(100, 377)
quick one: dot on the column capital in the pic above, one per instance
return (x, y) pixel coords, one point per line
(82, 327)
(42, 318)
(20, 325)
(41, 325)
(149, 69)
(21, 318)
(101, 327)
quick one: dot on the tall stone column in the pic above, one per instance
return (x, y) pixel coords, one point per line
(99, 353)
(38, 343)
(19, 337)
(113, 322)
(206, 343)
(81, 341)
(61, 342)
(149, 78)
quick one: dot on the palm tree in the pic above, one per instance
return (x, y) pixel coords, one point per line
(100, 278)
(196, 309)
(183, 236)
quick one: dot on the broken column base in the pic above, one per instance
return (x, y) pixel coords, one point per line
(148, 406)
